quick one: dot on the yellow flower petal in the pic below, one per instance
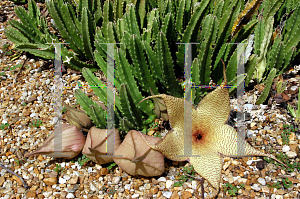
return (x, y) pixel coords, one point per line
(214, 108)
(209, 167)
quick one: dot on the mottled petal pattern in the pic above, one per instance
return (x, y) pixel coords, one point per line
(214, 108)
(209, 167)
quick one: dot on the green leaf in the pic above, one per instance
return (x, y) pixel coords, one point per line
(128, 107)
(87, 33)
(187, 35)
(41, 50)
(97, 86)
(166, 64)
(15, 35)
(125, 73)
(179, 16)
(268, 85)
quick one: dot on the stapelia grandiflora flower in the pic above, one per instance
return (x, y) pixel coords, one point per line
(71, 143)
(78, 117)
(210, 136)
(136, 158)
(96, 146)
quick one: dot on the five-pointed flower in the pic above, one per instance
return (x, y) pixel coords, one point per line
(210, 136)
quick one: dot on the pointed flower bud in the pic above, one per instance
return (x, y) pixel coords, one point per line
(136, 158)
(96, 146)
(69, 146)
(78, 117)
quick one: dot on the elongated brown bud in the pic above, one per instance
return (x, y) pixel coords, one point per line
(67, 143)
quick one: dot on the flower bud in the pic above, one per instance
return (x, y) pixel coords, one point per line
(78, 117)
(95, 146)
(66, 143)
(136, 158)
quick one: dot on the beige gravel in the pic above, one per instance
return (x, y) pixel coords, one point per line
(29, 97)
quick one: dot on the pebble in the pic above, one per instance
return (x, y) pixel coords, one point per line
(278, 197)
(162, 179)
(169, 184)
(261, 181)
(147, 186)
(47, 194)
(194, 184)
(103, 171)
(175, 195)
(186, 194)
(70, 195)
(135, 195)
(291, 154)
(62, 181)
(286, 148)
(256, 187)
(265, 189)
(116, 180)
(2, 179)
(127, 186)
(93, 187)
(31, 194)
(153, 190)
(268, 179)
(248, 107)
(50, 181)
(167, 194)
(21, 190)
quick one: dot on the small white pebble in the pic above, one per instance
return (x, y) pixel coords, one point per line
(249, 162)
(291, 154)
(70, 195)
(62, 181)
(32, 114)
(194, 184)
(93, 187)
(293, 88)
(261, 181)
(162, 179)
(256, 187)
(127, 186)
(285, 148)
(248, 107)
(47, 194)
(135, 195)
(167, 194)
(268, 179)
(169, 184)
(116, 180)
(90, 170)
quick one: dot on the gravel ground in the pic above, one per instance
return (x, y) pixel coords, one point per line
(27, 95)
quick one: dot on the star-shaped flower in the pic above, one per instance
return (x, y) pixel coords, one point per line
(210, 136)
